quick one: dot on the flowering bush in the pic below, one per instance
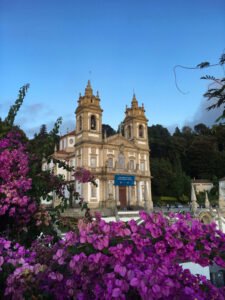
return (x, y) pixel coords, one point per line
(118, 261)
(15, 204)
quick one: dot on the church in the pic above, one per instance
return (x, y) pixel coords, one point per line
(119, 163)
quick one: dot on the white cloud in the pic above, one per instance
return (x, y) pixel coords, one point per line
(202, 115)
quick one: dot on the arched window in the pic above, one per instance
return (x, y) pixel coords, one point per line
(93, 122)
(110, 162)
(141, 131)
(129, 131)
(80, 123)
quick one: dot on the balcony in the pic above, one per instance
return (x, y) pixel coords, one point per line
(114, 170)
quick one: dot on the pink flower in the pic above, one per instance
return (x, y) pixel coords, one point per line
(134, 281)
(116, 292)
(120, 270)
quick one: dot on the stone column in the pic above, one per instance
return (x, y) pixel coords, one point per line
(137, 193)
(129, 195)
(106, 190)
(102, 201)
(117, 195)
(148, 198)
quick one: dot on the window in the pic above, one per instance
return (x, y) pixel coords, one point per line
(110, 162)
(93, 122)
(121, 161)
(80, 123)
(93, 162)
(93, 191)
(142, 166)
(129, 131)
(131, 164)
(141, 131)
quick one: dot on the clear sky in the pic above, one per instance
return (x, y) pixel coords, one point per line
(120, 45)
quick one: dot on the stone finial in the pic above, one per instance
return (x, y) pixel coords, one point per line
(134, 102)
(194, 204)
(193, 195)
(89, 84)
(207, 203)
(88, 89)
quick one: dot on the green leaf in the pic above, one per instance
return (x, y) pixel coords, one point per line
(204, 64)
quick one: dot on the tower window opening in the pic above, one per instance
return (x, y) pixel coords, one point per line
(93, 122)
(141, 131)
(80, 123)
(129, 131)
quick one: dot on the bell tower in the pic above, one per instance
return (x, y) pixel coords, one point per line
(88, 117)
(135, 124)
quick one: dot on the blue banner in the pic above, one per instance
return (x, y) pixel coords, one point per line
(124, 180)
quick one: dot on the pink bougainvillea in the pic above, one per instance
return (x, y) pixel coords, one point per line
(14, 180)
(120, 261)
(83, 175)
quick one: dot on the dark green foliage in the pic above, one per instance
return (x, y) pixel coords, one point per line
(201, 129)
(107, 130)
(201, 156)
(43, 144)
(159, 138)
(188, 153)
(203, 65)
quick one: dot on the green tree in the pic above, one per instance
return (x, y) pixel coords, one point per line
(202, 129)
(159, 138)
(108, 130)
(201, 156)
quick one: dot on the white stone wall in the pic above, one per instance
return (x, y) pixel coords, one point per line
(222, 189)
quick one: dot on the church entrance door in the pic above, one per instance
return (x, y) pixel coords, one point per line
(122, 196)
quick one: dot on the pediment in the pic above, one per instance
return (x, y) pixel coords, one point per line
(119, 140)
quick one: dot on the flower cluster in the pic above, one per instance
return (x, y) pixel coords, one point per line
(83, 175)
(14, 181)
(120, 260)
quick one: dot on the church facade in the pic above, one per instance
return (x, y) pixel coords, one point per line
(124, 154)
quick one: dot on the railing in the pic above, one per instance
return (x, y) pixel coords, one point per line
(109, 170)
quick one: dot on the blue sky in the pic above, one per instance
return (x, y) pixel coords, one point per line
(120, 45)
